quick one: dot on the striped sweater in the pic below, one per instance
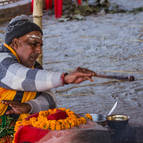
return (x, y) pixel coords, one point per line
(17, 77)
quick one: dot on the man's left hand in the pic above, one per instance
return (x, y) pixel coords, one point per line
(16, 107)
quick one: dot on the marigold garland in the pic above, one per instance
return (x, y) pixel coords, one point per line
(42, 122)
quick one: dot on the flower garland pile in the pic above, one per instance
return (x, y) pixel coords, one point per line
(42, 122)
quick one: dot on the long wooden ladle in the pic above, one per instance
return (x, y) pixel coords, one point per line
(125, 78)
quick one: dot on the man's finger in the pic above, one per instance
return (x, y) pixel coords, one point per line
(12, 105)
(84, 74)
(5, 101)
(9, 102)
(10, 112)
(89, 78)
(85, 70)
(79, 80)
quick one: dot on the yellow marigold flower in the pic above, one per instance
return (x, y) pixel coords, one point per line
(50, 110)
(36, 124)
(52, 124)
(73, 116)
(17, 127)
(23, 116)
(18, 122)
(47, 125)
(52, 127)
(42, 113)
(62, 126)
(26, 123)
(63, 109)
(83, 120)
(68, 110)
(70, 121)
(67, 126)
(34, 119)
(75, 122)
(53, 121)
(43, 125)
(78, 122)
(42, 119)
(58, 126)
(70, 113)
(88, 116)
(60, 121)
(72, 124)
(55, 110)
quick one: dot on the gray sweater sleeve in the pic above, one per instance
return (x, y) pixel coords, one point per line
(44, 101)
(18, 77)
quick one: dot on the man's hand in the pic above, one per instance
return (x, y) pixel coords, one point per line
(16, 107)
(79, 75)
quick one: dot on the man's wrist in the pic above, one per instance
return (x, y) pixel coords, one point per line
(28, 107)
(63, 78)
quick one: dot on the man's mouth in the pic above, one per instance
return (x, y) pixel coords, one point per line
(33, 58)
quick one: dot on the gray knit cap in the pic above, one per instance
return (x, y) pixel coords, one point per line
(19, 26)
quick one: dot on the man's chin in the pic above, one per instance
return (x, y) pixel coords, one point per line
(30, 65)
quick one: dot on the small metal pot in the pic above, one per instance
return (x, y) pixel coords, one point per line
(98, 118)
(117, 121)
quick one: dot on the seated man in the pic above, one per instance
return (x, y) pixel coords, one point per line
(23, 82)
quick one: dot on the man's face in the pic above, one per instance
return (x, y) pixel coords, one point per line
(28, 47)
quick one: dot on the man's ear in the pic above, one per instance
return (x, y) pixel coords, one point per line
(15, 43)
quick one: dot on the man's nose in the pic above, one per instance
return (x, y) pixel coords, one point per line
(38, 49)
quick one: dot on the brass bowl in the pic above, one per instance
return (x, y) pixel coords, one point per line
(117, 121)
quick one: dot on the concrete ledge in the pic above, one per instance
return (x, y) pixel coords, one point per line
(11, 10)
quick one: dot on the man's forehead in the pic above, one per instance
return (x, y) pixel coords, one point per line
(34, 36)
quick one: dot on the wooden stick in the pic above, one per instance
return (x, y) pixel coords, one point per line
(126, 78)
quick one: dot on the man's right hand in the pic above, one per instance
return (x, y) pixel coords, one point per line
(78, 76)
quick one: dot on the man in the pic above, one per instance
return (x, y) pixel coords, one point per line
(23, 82)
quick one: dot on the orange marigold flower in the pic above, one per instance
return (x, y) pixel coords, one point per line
(88, 116)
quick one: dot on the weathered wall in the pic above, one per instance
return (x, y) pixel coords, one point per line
(67, 2)
(14, 9)
(21, 7)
